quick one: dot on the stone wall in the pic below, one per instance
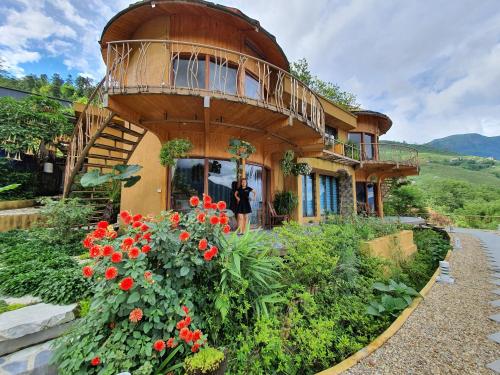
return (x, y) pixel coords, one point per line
(346, 193)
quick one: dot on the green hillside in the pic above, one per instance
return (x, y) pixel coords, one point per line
(469, 144)
(464, 188)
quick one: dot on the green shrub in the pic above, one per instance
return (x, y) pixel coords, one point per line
(395, 298)
(285, 202)
(205, 361)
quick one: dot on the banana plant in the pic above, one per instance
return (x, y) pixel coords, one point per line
(121, 173)
(9, 187)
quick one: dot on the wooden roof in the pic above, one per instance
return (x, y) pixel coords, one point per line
(384, 122)
(124, 23)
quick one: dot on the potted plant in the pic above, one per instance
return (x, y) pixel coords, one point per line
(174, 149)
(285, 202)
(241, 150)
(208, 361)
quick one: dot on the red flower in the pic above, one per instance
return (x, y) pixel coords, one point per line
(223, 219)
(96, 361)
(107, 250)
(185, 309)
(195, 348)
(187, 320)
(181, 324)
(221, 205)
(201, 217)
(214, 220)
(147, 236)
(194, 201)
(206, 199)
(144, 228)
(137, 237)
(103, 224)
(135, 315)
(214, 206)
(147, 275)
(127, 283)
(184, 333)
(207, 206)
(113, 235)
(116, 257)
(87, 242)
(146, 249)
(207, 255)
(127, 242)
(137, 217)
(110, 273)
(159, 345)
(184, 236)
(126, 217)
(171, 343)
(99, 233)
(95, 251)
(214, 250)
(226, 229)
(175, 218)
(87, 271)
(203, 244)
(134, 253)
(136, 224)
(196, 335)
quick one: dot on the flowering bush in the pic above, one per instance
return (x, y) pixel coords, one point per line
(147, 305)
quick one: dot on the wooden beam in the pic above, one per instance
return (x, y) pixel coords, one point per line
(125, 112)
(279, 124)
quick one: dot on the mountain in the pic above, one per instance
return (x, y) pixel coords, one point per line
(469, 144)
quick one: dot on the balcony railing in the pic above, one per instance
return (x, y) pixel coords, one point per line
(348, 150)
(389, 153)
(166, 66)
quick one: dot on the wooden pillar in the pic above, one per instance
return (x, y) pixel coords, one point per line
(206, 115)
(380, 203)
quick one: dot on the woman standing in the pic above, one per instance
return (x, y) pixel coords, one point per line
(243, 208)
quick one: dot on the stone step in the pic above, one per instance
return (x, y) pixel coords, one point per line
(30, 361)
(495, 366)
(33, 324)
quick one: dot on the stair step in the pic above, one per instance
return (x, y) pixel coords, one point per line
(106, 157)
(29, 361)
(125, 130)
(111, 148)
(33, 324)
(98, 165)
(117, 139)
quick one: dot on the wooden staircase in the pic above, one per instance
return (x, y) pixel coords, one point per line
(100, 140)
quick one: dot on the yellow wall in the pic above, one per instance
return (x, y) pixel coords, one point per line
(323, 167)
(144, 197)
(396, 247)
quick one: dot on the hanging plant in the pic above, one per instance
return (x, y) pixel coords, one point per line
(287, 164)
(240, 149)
(303, 169)
(174, 149)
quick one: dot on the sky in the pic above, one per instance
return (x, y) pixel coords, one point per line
(433, 66)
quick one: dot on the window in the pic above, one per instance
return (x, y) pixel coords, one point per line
(370, 195)
(328, 192)
(308, 196)
(331, 133)
(223, 78)
(355, 137)
(366, 194)
(189, 73)
(252, 87)
(369, 146)
(187, 180)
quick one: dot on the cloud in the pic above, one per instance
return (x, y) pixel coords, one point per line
(431, 65)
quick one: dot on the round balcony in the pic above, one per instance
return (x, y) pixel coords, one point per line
(160, 82)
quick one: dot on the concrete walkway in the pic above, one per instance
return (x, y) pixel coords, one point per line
(490, 244)
(448, 332)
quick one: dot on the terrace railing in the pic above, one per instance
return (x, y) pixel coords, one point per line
(166, 66)
(389, 153)
(348, 150)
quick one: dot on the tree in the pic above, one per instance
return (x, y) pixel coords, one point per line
(405, 200)
(56, 82)
(31, 124)
(300, 69)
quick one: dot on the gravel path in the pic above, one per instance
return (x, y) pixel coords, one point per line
(447, 333)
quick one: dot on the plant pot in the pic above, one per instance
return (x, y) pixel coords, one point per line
(221, 370)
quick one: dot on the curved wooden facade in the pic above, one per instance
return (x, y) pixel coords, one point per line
(196, 70)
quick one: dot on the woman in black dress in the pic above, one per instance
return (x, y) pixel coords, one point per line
(243, 208)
